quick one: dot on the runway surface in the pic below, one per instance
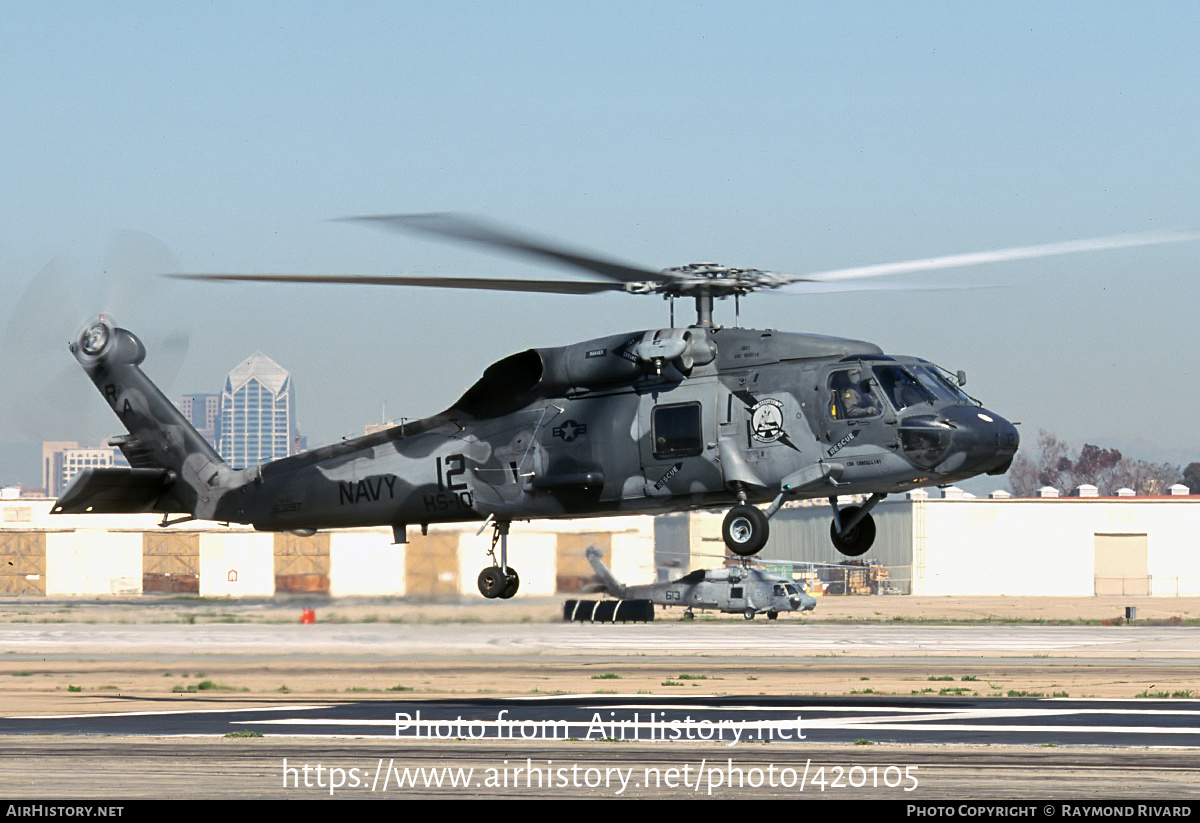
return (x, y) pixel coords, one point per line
(734, 721)
(540, 710)
(266, 641)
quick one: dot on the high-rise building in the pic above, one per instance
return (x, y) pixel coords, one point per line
(203, 411)
(63, 459)
(258, 413)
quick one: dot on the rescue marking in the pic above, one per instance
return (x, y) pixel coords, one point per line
(674, 470)
(838, 446)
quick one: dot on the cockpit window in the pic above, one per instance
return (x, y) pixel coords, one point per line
(940, 383)
(851, 397)
(901, 388)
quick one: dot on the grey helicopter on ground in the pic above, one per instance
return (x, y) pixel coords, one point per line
(741, 589)
(654, 421)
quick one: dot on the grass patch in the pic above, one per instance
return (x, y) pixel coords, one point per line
(204, 686)
(606, 676)
(244, 734)
(1182, 694)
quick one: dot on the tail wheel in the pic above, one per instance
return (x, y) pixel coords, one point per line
(745, 530)
(856, 541)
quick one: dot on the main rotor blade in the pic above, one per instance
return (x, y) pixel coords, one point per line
(486, 283)
(841, 286)
(1120, 241)
(461, 227)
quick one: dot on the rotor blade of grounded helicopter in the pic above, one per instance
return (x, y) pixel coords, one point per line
(472, 230)
(1112, 242)
(774, 561)
(485, 283)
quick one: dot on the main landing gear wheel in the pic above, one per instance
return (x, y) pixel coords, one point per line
(493, 583)
(856, 541)
(748, 614)
(514, 583)
(745, 530)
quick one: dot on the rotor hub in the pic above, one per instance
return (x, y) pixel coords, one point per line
(713, 279)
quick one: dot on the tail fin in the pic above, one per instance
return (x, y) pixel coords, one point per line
(611, 585)
(172, 468)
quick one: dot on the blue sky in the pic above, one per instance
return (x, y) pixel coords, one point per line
(787, 136)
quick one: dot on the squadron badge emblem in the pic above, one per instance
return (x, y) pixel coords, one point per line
(766, 421)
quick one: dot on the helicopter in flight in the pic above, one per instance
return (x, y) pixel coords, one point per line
(653, 421)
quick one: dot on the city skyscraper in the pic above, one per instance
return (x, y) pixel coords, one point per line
(258, 413)
(203, 411)
(63, 459)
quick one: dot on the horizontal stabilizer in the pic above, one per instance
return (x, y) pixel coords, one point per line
(114, 491)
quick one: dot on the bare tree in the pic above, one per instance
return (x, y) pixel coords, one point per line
(1051, 464)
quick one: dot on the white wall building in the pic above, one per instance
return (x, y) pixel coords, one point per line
(1076, 546)
(88, 555)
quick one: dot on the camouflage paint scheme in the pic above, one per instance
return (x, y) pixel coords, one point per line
(646, 422)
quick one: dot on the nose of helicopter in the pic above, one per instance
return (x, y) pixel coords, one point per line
(961, 440)
(982, 442)
(803, 602)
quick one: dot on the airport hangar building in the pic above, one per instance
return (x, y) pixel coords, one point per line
(946, 545)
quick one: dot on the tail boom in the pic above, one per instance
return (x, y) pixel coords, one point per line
(172, 467)
(608, 580)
